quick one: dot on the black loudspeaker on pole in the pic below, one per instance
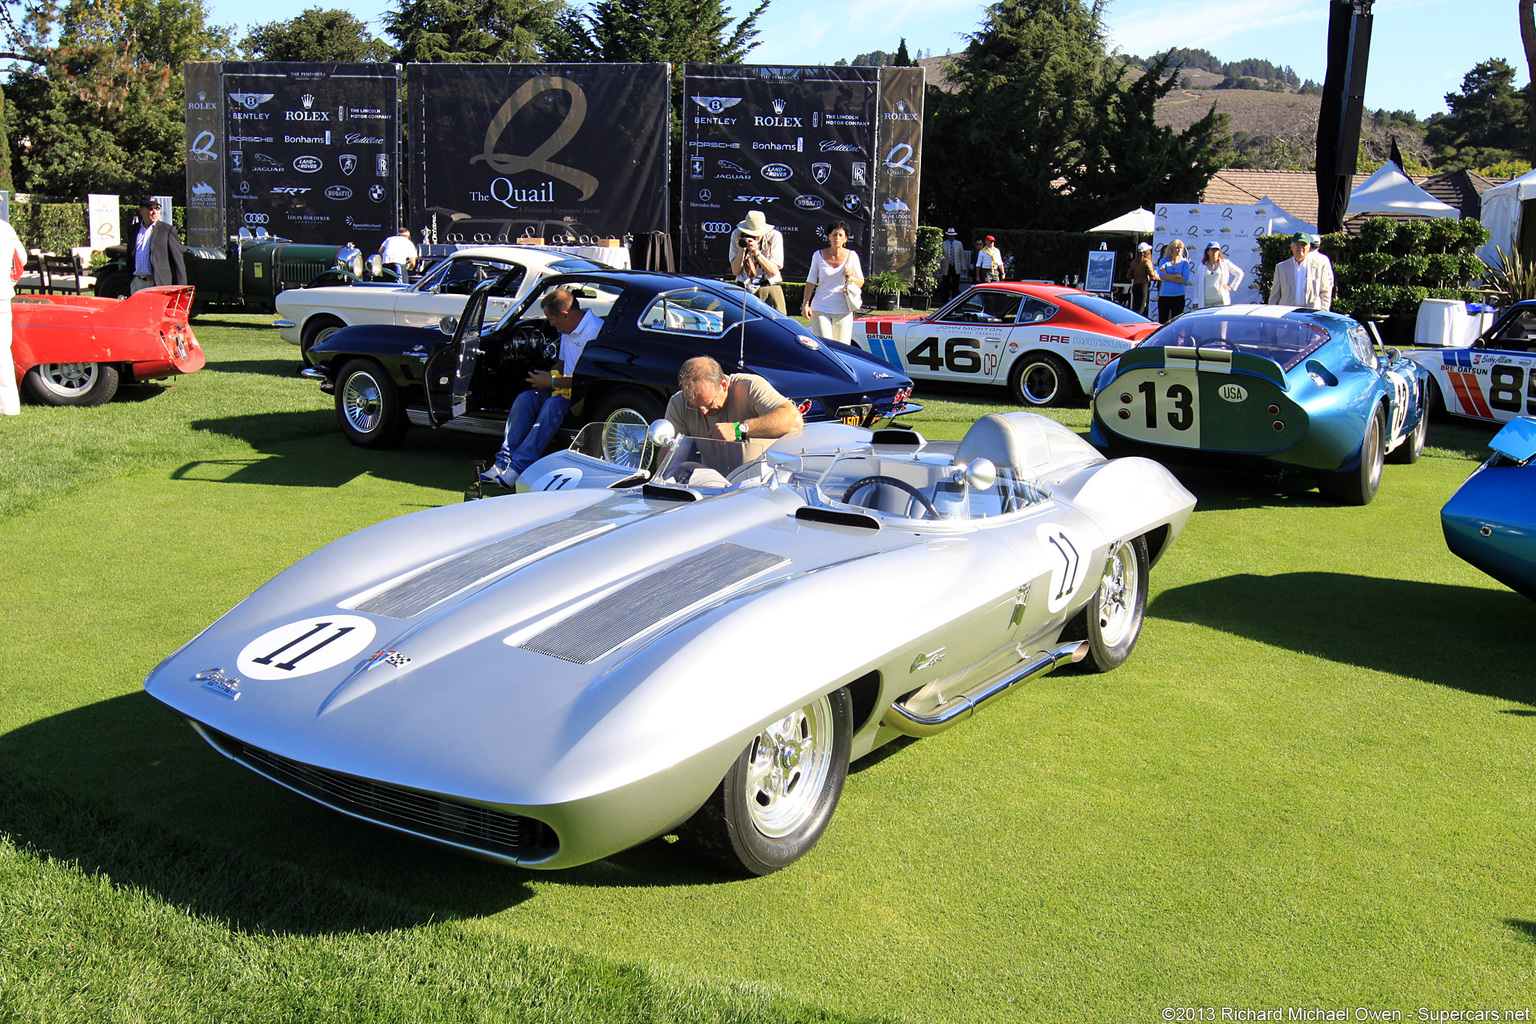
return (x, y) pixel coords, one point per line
(1338, 122)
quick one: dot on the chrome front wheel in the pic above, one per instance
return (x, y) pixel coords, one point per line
(1118, 606)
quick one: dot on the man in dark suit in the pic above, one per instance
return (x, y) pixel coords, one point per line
(156, 249)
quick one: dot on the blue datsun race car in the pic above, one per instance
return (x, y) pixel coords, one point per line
(1494, 379)
(1490, 521)
(1266, 387)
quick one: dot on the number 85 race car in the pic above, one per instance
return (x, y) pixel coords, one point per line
(548, 678)
(1045, 342)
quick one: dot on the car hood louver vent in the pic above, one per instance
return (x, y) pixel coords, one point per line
(419, 592)
(589, 633)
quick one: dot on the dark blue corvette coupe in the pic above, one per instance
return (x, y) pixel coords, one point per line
(466, 374)
(1267, 387)
(1491, 520)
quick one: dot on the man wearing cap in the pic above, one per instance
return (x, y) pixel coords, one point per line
(1142, 274)
(757, 257)
(156, 250)
(989, 262)
(955, 264)
(1304, 280)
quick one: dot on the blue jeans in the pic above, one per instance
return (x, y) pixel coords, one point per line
(534, 418)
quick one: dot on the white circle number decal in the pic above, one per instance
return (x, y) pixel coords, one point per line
(1068, 557)
(303, 647)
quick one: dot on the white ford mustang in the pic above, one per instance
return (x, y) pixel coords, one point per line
(312, 314)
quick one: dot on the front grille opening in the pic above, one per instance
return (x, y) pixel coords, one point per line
(483, 829)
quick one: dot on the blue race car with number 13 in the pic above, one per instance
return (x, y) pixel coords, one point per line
(1266, 387)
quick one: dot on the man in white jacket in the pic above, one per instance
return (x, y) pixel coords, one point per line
(13, 257)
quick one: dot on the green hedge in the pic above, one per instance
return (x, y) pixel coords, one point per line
(59, 227)
(1391, 267)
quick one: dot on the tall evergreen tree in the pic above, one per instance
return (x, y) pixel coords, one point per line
(678, 31)
(1012, 135)
(318, 34)
(1131, 160)
(473, 31)
(1487, 123)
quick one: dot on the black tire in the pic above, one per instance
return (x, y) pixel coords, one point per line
(628, 407)
(1407, 453)
(1041, 379)
(1434, 403)
(779, 796)
(116, 285)
(1358, 486)
(317, 330)
(71, 383)
(368, 405)
(1114, 615)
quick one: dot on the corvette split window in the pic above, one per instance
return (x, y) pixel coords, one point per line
(686, 311)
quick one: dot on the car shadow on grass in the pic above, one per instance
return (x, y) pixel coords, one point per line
(306, 449)
(1467, 638)
(260, 367)
(125, 789)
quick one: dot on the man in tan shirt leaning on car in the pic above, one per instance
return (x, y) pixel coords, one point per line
(730, 407)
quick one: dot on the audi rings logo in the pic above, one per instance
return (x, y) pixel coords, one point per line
(307, 164)
(338, 192)
(777, 172)
(256, 218)
(716, 227)
(809, 202)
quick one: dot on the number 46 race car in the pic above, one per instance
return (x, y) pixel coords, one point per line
(1045, 342)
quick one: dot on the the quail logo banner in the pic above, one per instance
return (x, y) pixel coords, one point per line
(508, 151)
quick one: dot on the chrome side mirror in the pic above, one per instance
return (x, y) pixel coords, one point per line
(662, 433)
(980, 475)
(448, 325)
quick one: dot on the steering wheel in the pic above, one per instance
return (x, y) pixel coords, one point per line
(900, 485)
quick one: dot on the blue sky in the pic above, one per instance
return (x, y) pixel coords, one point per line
(1420, 49)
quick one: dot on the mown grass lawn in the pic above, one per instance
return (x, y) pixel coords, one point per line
(1311, 786)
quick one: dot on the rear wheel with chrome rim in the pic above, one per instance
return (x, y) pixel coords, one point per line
(71, 383)
(1114, 616)
(778, 797)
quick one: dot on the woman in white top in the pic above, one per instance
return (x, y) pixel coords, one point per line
(832, 291)
(1214, 279)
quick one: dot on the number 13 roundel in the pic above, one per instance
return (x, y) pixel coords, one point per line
(303, 647)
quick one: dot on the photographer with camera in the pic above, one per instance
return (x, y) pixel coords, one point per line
(757, 256)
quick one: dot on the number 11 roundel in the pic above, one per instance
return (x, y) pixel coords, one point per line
(306, 646)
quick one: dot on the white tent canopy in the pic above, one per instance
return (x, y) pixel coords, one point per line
(1137, 222)
(1389, 190)
(1282, 223)
(1501, 214)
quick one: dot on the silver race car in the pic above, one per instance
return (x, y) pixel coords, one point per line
(546, 679)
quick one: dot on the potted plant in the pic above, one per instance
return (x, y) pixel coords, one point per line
(885, 287)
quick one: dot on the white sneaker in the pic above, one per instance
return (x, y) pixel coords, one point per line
(505, 477)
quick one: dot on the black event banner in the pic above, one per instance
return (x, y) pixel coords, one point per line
(313, 152)
(207, 197)
(900, 139)
(564, 152)
(794, 142)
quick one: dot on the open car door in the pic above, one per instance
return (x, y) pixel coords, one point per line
(452, 363)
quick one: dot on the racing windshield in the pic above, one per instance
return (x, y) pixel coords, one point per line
(1287, 341)
(1105, 309)
(920, 487)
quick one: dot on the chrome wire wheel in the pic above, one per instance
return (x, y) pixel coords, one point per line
(624, 438)
(788, 767)
(361, 402)
(1117, 595)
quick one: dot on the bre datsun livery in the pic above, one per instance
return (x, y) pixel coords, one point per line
(1267, 387)
(546, 679)
(1494, 380)
(1045, 342)
(1490, 522)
